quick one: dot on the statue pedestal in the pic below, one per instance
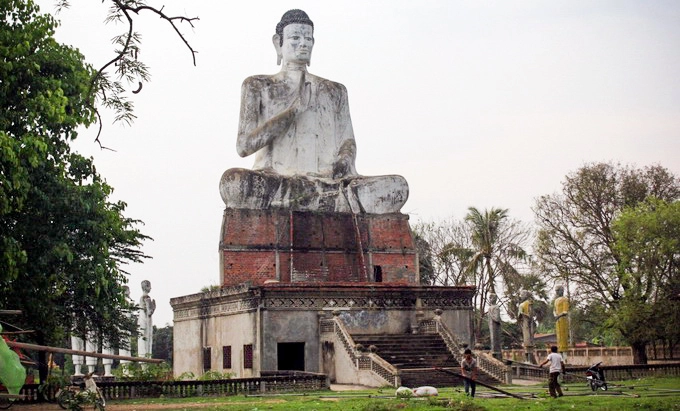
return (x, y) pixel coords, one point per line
(259, 246)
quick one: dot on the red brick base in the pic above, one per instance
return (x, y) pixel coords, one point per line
(294, 246)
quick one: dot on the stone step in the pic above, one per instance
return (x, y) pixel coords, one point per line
(408, 352)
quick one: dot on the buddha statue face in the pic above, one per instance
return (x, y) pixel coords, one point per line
(297, 43)
(146, 286)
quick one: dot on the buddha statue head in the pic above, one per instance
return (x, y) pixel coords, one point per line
(294, 38)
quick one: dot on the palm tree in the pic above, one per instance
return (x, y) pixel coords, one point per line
(497, 248)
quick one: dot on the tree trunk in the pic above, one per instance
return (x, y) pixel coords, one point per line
(42, 364)
(639, 353)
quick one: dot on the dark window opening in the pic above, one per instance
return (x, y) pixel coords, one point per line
(226, 356)
(291, 356)
(207, 360)
(248, 356)
(377, 273)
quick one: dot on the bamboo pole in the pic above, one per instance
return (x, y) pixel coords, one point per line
(448, 371)
(10, 312)
(17, 332)
(35, 347)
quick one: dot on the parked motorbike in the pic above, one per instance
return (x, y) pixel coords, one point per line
(595, 377)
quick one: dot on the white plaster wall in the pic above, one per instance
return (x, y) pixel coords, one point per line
(235, 330)
(186, 347)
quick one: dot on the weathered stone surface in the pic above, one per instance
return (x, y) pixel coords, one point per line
(299, 128)
(287, 246)
(263, 316)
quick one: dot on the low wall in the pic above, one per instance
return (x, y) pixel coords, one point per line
(612, 373)
(121, 390)
(586, 356)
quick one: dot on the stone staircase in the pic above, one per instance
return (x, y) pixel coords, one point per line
(414, 355)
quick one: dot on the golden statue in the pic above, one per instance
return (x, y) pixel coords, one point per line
(561, 312)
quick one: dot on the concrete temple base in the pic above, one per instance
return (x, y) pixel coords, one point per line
(249, 329)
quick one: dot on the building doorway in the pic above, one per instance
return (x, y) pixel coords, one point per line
(377, 273)
(291, 356)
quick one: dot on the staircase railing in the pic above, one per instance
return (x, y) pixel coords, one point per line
(494, 367)
(435, 326)
(362, 361)
(491, 366)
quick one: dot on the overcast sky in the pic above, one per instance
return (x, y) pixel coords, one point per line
(476, 103)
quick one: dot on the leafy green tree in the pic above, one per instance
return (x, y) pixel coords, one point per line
(62, 241)
(162, 343)
(576, 241)
(648, 247)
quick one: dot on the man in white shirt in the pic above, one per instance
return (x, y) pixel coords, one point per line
(556, 367)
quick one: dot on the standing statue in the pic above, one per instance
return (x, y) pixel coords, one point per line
(147, 308)
(299, 128)
(77, 343)
(526, 317)
(91, 345)
(495, 327)
(561, 311)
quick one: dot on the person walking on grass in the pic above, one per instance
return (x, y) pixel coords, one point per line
(468, 368)
(556, 367)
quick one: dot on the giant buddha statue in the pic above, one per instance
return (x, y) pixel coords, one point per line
(299, 128)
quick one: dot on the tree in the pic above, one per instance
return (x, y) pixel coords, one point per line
(576, 243)
(446, 247)
(162, 343)
(648, 246)
(130, 72)
(63, 243)
(425, 267)
(497, 248)
(485, 250)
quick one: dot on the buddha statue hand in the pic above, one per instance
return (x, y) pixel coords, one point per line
(341, 167)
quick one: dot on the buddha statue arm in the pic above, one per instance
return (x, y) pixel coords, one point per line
(561, 308)
(152, 307)
(344, 161)
(256, 132)
(344, 164)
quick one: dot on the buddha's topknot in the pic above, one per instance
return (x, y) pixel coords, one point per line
(291, 17)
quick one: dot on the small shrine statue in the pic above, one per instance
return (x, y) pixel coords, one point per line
(561, 311)
(77, 343)
(526, 317)
(495, 327)
(147, 308)
(299, 128)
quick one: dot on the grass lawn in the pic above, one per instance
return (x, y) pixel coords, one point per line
(661, 394)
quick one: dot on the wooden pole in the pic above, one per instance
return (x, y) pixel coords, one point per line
(34, 347)
(17, 332)
(448, 371)
(10, 312)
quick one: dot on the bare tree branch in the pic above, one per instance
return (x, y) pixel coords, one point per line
(111, 93)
